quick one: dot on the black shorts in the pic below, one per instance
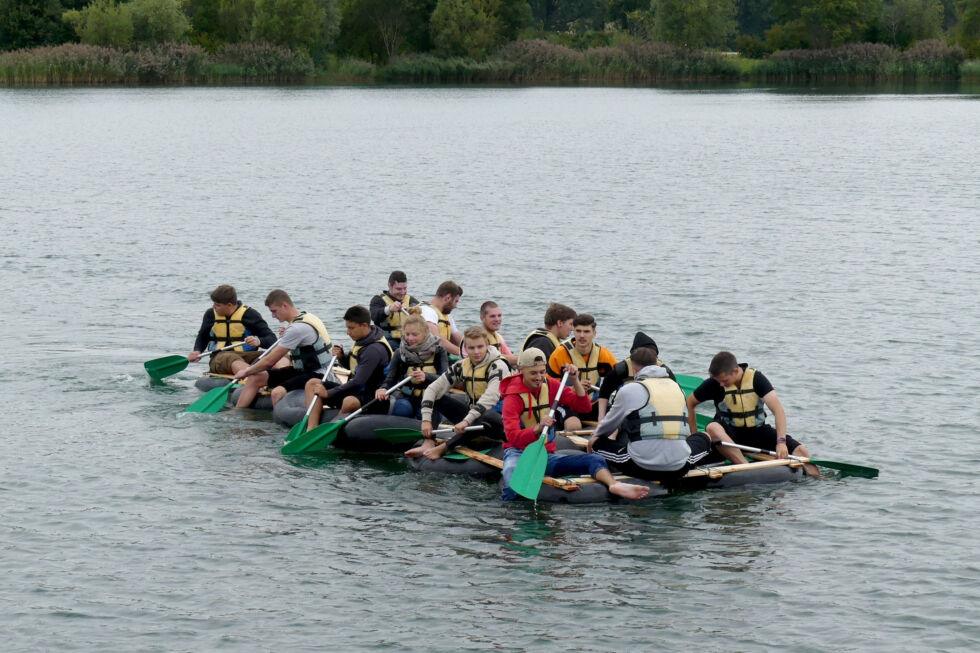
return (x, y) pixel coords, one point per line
(336, 400)
(760, 437)
(289, 378)
(699, 443)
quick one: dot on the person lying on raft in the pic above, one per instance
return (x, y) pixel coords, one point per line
(646, 433)
(305, 340)
(625, 370)
(229, 321)
(366, 361)
(479, 375)
(527, 401)
(492, 317)
(592, 360)
(419, 355)
(740, 394)
(557, 325)
(387, 307)
(436, 312)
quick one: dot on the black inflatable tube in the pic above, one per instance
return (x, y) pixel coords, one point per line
(205, 383)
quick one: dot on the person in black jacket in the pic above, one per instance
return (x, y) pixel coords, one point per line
(228, 321)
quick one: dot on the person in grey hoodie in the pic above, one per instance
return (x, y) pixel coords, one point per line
(645, 434)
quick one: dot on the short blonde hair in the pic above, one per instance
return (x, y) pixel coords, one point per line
(475, 333)
(416, 321)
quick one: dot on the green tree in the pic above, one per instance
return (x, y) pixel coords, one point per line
(310, 25)
(158, 21)
(466, 27)
(235, 19)
(103, 23)
(968, 29)
(30, 23)
(380, 29)
(515, 17)
(754, 16)
(694, 23)
(905, 21)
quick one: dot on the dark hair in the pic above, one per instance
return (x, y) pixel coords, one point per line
(358, 314)
(449, 288)
(224, 294)
(278, 296)
(584, 319)
(643, 356)
(486, 306)
(397, 277)
(724, 361)
(557, 313)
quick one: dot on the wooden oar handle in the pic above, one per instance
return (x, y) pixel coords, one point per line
(744, 447)
(560, 483)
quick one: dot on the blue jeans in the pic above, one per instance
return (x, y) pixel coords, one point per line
(559, 464)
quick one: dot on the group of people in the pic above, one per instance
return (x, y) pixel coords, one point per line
(645, 425)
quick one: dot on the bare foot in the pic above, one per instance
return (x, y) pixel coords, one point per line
(415, 452)
(435, 453)
(811, 470)
(629, 491)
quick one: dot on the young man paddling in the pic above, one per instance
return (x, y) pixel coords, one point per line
(305, 340)
(527, 401)
(646, 433)
(740, 394)
(557, 325)
(436, 312)
(229, 321)
(388, 308)
(592, 360)
(479, 375)
(366, 361)
(625, 370)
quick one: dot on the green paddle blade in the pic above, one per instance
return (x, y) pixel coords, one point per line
(847, 469)
(529, 473)
(688, 383)
(462, 456)
(160, 368)
(398, 435)
(313, 441)
(212, 401)
(298, 428)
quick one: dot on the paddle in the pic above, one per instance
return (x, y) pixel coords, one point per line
(300, 426)
(846, 469)
(406, 435)
(323, 435)
(161, 368)
(688, 383)
(215, 399)
(529, 472)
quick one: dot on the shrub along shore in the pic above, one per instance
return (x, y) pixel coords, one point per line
(520, 62)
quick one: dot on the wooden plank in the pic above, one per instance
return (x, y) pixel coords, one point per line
(560, 483)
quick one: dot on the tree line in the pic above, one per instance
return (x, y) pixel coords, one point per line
(379, 31)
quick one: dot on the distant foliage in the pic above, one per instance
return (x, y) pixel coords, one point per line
(904, 22)
(469, 28)
(968, 31)
(865, 62)
(30, 23)
(158, 21)
(694, 23)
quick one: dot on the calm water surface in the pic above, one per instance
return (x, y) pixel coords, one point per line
(830, 240)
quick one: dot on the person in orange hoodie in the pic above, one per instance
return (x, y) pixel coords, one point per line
(528, 396)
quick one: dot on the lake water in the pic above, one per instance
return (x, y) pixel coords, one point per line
(830, 239)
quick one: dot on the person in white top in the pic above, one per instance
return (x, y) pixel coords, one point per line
(437, 313)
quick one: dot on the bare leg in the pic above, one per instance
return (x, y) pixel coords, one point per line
(277, 394)
(238, 365)
(312, 389)
(420, 450)
(253, 384)
(625, 490)
(573, 424)
(349, 405)
(717, 434)
(803, 452)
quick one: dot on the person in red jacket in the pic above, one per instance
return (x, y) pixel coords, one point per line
(528, 396)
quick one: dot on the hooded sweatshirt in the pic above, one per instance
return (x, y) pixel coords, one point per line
(454, 378)
(519, 437)
(658, 455)
(371, 362)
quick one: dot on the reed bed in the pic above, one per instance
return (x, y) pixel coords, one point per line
(866, 62)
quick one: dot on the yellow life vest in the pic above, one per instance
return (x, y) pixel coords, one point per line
(317, 355)
(625, 368)
(665, 415)
(493, 339)
(475, 379)
(445, 326)
(392, 325)
(541, 332)
(227, 330)
(355, 350)
(534, 407)
(742, 407)
(428, 366)
(588, 370)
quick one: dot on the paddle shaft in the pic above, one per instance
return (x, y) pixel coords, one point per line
(744, 447)
(387, 393)
(215, 351)
(560, 483)
(309, 409)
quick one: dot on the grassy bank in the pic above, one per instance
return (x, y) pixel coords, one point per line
(522, 62)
